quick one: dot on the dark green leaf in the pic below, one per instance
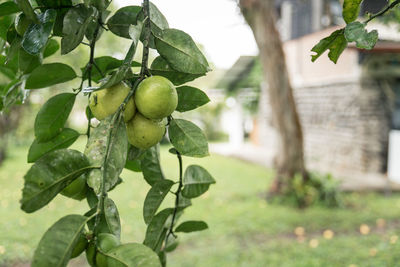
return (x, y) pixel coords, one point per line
(151, 166)
(171, 244)
(119, 23)
(158, 22)
(26, 7)
(50, 175)
(51, 48)
(196, 181)
(180, 51)
(356, 32)
(190, 98)
(27, 62)
(98, 4)
(66, 138)
(133, 165)
(336, 43)
(62, 7)
(75, 23)
(51, 118)
(154, 198)
(50, 74)
(5, 23)
(36, 36)
(112, 217)
(184, 202)
(351, 9)
(132, 255)
(105, 64)
(191, 226)
(124, 69)
(156, 228)
(187, 138)
(57, 243)
(96, 149)
(8, 8)
(91, 28)
(160, 67)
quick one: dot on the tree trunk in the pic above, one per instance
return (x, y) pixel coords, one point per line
(8, 123)
(260, 15)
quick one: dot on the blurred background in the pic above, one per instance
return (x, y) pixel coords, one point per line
(350, 117)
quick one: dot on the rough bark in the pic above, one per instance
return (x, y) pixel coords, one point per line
(260, 15)
(8, 122)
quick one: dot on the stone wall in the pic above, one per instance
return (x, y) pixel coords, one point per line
(345, 126)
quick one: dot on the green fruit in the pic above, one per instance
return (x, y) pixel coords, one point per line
(80, 246)
(143, 132)
(90, 253)
(105, 242)
(156, 97)
(22, 23)
(77, 189)
(105, 102)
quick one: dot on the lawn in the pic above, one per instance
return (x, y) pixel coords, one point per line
(245, 230)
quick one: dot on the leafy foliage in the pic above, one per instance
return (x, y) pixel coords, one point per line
(353, 32)
(56, 169)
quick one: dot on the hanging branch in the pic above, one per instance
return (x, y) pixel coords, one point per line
(118, 114)
(177, 195)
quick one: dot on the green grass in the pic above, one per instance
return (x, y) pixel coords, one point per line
(244, 229)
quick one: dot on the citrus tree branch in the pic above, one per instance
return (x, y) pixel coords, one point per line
(146, 40)
(177, 195)
(383, 11)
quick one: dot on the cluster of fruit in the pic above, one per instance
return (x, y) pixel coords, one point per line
(145, 114)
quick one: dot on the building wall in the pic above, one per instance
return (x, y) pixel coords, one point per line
(344, 115)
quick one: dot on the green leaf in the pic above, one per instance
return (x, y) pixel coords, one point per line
(26, 7)
(57, 243)
(27, 62)
(75, 24)
(196, 181)
(133, 165)
(105, 64)
(51, 48)
(50, 74)
(336, 43)
(160, 67)
(66, 138)
(132, 255)
(351, 9)
(190, 98)
(151, 166)
(158, 23)
(187, 138)
(119, 23)
(191, 226)
(112, 217)
(91, 28)
(124, 69)
(8, 8)
(36, 36)
(154, 198)
(96, 149)
(50, 175)
(98, 4)
(62, 7)
(356, 32)
(181, 52)
(51, 118)
(5, 23)
(154, 232)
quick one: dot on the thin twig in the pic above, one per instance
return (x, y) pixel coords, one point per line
(383, 11)
(177, 195)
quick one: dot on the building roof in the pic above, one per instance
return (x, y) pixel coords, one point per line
(237, 72)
